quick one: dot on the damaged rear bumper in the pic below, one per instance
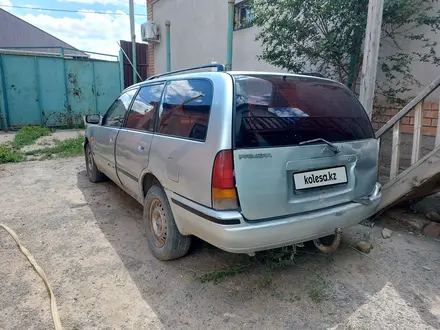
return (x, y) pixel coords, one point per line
(229, 231)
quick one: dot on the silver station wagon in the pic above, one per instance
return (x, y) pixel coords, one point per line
(246, 161)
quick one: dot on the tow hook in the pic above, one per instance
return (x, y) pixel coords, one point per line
(333, 246)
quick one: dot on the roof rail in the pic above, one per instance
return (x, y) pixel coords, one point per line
(220, 67)
(313, 74)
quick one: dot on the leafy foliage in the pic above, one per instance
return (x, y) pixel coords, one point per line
(65, 148)
(327, 35)
(9, 155)
(28, 135)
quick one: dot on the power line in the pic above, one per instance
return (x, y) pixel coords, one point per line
(136, 4)
(70, 11)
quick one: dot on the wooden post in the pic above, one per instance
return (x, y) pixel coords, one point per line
(437, 135)
(417, 137)
(371, 54)
(395, 151)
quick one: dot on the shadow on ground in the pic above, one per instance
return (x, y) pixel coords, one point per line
(395, 286)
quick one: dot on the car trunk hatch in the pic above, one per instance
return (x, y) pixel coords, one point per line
(301, 144)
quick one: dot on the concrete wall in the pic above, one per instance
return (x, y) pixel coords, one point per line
(423, 72)
(198, 32)
(246, 50)
(198, 36)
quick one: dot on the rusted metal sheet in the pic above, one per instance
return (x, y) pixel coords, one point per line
(54, 91)
(142, 61)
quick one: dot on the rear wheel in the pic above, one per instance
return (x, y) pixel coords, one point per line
(93, 173)
(164, 239)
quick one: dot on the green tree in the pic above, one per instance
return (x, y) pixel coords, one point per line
(327, 35)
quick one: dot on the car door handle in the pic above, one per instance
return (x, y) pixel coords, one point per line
(141, 148)
(111, 140)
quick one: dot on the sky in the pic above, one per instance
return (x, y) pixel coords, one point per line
(84, 30)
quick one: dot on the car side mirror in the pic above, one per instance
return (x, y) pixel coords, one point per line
(93, 119)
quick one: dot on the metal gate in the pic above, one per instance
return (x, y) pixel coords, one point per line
(141, 65)
(55, 90)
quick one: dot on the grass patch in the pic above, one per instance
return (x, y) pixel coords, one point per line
(65, 148)
(270, 260)
(318, 289)
(219, 275)
(9, 155)
(28, 135)
(267, 263)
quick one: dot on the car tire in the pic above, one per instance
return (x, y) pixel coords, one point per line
(93, 173)
(163, 236)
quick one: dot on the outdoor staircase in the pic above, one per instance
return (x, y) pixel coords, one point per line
(422, 177)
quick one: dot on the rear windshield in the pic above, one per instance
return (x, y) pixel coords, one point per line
(275, 110)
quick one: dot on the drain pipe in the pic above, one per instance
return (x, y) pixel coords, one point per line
(333, 246)
(168, 44)
(231, 4)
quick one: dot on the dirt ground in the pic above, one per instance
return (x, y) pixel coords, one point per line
(89, 240)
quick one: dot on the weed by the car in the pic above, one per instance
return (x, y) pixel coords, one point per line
(9, 155)
(270, 260)
(70, 147)
(219, 275)
(276, 258)
(66, 148)
(28, 135)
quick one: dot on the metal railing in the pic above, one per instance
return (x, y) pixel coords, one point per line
(219, 67)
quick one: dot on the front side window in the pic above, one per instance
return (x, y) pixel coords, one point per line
(144, 107)
(275, 110)
(186, 108)
(116, 113)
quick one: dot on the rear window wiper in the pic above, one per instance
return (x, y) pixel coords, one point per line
(331, 146)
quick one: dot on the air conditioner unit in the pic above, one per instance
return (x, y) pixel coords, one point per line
(150, 32)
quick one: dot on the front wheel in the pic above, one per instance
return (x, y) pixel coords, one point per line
(93, 173)
(163, 236)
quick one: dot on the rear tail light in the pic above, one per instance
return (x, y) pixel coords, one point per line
(224, 195)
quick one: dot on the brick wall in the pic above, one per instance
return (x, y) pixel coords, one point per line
(430, 117)
(150, 4)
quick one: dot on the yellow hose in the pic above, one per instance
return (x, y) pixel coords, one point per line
(40, 271)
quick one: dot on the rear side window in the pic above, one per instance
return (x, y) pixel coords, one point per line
(186, 108)
(276, 111)
(144, 107)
